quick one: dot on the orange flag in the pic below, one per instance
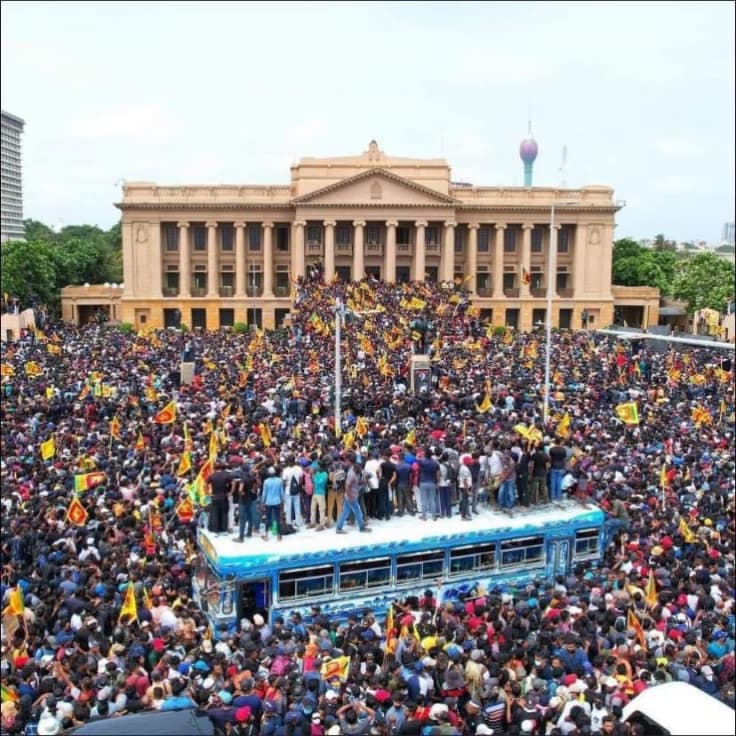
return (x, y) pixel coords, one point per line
(632, 622)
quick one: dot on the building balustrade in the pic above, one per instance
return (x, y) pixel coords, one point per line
(565, 293)
(168, 291)
(485, 292)
(314, 247)
(227, 290)
(511, 293)
(199, 291)
(404, 248)
(432, 247)
(375, 248)
(281, 291)
(538, 291)
(254, 290)
(345, 248)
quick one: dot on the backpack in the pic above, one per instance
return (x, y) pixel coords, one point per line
(453, 470)
(295, 486)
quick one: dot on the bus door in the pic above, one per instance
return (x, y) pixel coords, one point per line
(254, 597)
(558, 556)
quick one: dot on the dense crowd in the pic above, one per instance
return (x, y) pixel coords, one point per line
(99, 499)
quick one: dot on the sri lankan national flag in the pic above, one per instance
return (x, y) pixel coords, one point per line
(7, 694)
(140, 443)
(15, 606)
(361, 426)
(632, 622)
(129, 607)
(338, 666)
(185, 464)
(48, 449)
(167, 415)
(628, 413)
(650, 594)
(115, 428)
(484, 405)
(76, 513)
(265, 433)
(85, 481)
(7, 370)
(526, 279)
(563, 428)
(185, 510)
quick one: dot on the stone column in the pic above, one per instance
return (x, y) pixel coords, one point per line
(212, 275)
(156, 263)
(552, 261)
(498, 262)
(185, 261)
(447, 262)
(526, 258)
(471, 264)
(268, 260)
(578, 274)
(420, 251)
(358, 256)
(239, 259)
(389, 259)
(297, 261)
(329, 226)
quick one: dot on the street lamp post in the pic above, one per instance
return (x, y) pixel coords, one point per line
(548, 320)
(339, 317)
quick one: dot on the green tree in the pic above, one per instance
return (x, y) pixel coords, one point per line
(28, 270)
(705, 280)
(38, 231)
(634, 265)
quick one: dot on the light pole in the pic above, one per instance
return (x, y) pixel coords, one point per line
(339, 317)
(548, 319)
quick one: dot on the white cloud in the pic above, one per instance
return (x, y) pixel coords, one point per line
(148, 124)
(678, 146)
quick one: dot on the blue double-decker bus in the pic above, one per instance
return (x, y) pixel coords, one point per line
(343, 575)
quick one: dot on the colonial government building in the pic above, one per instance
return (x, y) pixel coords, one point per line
(210, 256)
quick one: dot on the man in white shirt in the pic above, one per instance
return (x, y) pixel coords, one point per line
(293, 503)
(372, 474)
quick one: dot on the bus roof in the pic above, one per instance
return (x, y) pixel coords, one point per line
(400, 534)
(680, 708)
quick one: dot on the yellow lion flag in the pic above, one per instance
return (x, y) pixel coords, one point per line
(337, 667)
(130, 607)
(48, 449)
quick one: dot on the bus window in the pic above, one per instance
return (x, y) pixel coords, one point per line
(423, 566)
(522, 552)
(469, 559)
(586, 543)
(306, 583)
(365, 574)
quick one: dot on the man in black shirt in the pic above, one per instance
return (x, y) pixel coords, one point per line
(538, 484)
(219, 483)
(558, 458)
(247, 498)
(385, 485)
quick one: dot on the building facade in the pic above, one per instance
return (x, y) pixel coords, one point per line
(728, 234)
(210, 256)
(11, 176)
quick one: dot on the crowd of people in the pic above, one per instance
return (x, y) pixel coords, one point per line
(102, 449)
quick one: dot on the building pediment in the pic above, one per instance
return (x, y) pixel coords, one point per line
(375, 187)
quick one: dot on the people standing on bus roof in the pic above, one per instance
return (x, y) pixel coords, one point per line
(219, 483)
(293, 482)
(352, 495)
(272, 498)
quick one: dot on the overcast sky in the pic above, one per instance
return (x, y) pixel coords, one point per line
(641, 94)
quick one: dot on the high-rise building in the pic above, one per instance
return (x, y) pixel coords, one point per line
(728, 235)
(11, 211)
